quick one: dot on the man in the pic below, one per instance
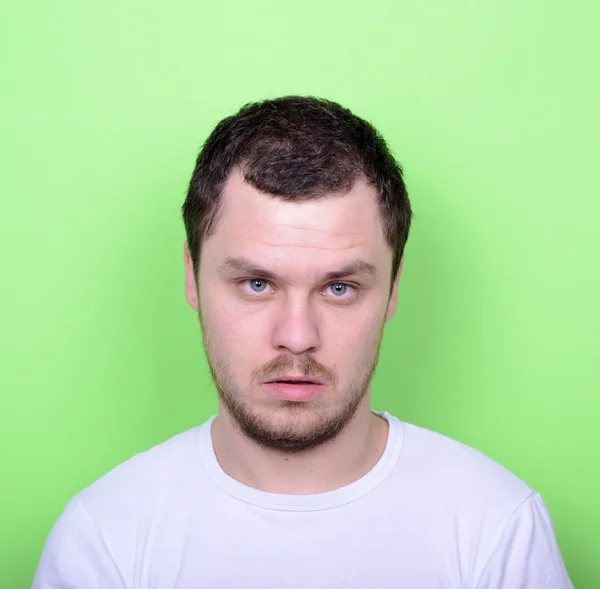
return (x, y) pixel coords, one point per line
(296, 221)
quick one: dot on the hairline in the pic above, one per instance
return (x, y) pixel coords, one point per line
(210, 226)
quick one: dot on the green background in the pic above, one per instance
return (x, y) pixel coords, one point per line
(492, 109)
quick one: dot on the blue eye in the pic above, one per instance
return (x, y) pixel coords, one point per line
(339, 289)
(258, 285)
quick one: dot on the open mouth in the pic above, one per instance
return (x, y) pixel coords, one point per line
(295, 389)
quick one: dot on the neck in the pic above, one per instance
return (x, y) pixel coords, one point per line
(339, 462)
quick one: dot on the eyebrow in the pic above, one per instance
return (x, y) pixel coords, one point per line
(246, 267)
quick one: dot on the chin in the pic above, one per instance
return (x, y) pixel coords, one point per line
(293, 427)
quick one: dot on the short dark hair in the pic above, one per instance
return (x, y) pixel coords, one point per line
(296, 148)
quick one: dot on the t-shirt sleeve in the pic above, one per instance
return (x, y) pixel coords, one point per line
(75, 555)
(527, 554)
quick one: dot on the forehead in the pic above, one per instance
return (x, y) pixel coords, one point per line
(317, 231)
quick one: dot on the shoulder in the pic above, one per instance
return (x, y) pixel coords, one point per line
(143, 480)
(526, 542)
(95, 537)
(457, 475)
(499, 525)
(465, 499)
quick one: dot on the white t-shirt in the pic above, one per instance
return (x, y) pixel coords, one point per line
(431, 514)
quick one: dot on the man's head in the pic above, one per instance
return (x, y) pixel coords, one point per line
(296, 220)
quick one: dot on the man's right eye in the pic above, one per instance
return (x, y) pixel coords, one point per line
(255, 286)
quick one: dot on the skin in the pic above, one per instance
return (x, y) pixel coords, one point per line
(294, 320)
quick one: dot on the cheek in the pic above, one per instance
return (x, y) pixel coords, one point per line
(237, 332)
(350, 337)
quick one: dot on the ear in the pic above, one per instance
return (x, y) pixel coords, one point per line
(191, 290)
(391, 309)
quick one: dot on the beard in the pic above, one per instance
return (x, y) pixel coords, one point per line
(291, 427)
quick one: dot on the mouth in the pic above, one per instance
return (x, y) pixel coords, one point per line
(286, 379)
(295, 389)
(289, 381)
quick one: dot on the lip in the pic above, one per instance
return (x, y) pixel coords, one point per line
(290, 391)
(295, 378)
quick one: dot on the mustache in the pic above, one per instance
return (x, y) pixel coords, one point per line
(307, 365)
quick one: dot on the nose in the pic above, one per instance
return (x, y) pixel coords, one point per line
(296, 329)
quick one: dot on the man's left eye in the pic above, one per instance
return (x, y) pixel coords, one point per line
(339, 289)
(258, 285)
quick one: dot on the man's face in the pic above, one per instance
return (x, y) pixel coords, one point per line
(292, 301)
